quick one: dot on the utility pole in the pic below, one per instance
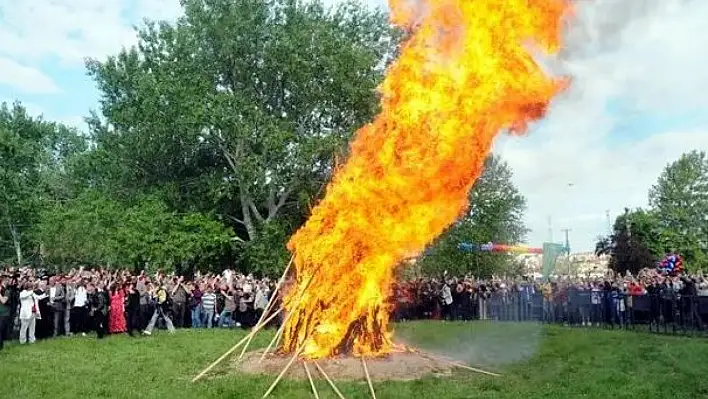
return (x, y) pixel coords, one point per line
(567, 247)
(609, 222)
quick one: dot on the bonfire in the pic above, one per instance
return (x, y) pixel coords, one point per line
(465, 74)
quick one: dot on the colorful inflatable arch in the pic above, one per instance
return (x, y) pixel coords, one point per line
(492, 247)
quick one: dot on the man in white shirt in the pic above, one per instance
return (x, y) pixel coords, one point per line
(80, 309)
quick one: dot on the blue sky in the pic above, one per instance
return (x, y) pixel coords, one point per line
(634, 105)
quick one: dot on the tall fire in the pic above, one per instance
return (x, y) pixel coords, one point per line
(465, 74)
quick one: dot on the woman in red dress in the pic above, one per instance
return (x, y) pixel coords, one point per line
(116, 312)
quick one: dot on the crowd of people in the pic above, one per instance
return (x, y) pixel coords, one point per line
(649, 297)
(35, 305)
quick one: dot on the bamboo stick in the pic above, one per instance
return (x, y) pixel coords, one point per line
(368, 378)
(331, 383)
(312, 382)
(230, 351)
(285, 370)
(270, 303)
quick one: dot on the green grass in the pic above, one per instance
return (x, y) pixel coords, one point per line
(537, 362)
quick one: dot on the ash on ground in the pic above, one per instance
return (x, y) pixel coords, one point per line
(402, 366)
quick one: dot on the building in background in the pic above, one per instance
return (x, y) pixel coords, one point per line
(578, 264)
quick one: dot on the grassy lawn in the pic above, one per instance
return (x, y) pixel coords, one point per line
(537, 362)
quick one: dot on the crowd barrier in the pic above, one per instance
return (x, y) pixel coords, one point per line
(658, 313)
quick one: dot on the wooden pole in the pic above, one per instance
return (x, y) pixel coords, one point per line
(368, 378)
(279, 333)
(312, 382)
(272, 341)
(271, 302)
(230, 351)
(459, 364)
(331, 383)
(285, 370)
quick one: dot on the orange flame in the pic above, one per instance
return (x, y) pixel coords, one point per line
(464, 75)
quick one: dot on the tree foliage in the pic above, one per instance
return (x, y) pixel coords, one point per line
(36, 157)
(634, 243)
(675, 222)
(680, 202)
(239, 109)
(95, 230)
(495, 215)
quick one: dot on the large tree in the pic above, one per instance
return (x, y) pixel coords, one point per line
(35, 156)
(495, 215)
(635, 243)
(240, 108)
(680, 201)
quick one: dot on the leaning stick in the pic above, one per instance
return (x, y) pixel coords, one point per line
(457, 364)
(285, 370)
(279, 333)
(312, 382)
(230, 351)
(460, 365)
(272, 341)
(271, 302)
(331, 383)
(368, 378)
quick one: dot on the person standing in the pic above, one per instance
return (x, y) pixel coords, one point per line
(179, 301)
(132, 309)
(69, 294)
(43, 325)
(4, 311)
(161, 310)
(57, 304)
(195, 303)
(209, 305)
(80, 309)
(29, 313)
(116, 310)
(97, 310)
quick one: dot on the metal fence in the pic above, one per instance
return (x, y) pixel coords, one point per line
(661, 313)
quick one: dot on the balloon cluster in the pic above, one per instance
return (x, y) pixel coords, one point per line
(672, 264)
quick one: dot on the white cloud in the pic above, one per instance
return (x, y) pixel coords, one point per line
(70, 30)
(650, 54)
(24, 78)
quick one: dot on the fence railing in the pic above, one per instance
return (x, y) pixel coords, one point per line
(660, 313)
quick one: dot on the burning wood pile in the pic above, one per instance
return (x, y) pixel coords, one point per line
(465, 74)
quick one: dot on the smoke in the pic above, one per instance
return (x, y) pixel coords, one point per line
(479, 344)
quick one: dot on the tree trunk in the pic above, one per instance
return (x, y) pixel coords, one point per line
(16, 241)
(246, 210)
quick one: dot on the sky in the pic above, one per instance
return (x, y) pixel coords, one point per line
(637, 70)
